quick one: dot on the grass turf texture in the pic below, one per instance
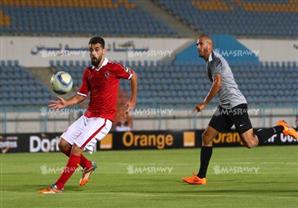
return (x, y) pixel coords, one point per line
(274, 184)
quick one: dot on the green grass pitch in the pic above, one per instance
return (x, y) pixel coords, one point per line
(237, 177)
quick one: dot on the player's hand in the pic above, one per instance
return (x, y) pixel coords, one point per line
(130, 105)
(57, 104)
(199, 107)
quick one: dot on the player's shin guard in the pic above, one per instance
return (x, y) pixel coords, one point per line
(265, 134)
(69, 169)
(206, 153)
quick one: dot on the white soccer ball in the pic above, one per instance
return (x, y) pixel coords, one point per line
(61, 82)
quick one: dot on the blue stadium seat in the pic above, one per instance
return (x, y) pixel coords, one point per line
(169, 85)
(46, 19)
(19, 87)
(237, 20)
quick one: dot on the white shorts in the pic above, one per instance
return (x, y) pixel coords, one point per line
(85, 132)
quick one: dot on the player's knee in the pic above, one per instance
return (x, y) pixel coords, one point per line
(61, 146)
(206, 139)
(64, 146)
(205, 134)
(76, 150)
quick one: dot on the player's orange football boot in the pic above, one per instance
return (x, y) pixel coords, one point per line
(50, 190)
(288, 130)
(86, 174)
(195, 180)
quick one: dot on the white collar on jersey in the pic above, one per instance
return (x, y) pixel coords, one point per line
(210, 57)
(105, 62)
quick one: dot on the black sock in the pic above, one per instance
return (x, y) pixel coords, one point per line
(206, 153)
(265, 134)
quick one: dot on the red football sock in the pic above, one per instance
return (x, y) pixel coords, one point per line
(85, 163)
(70, 168)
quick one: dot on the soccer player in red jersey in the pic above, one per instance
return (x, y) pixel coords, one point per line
(101, 81)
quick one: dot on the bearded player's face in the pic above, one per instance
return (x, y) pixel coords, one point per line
(96, 53)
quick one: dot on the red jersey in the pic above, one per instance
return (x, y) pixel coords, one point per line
(103, 84)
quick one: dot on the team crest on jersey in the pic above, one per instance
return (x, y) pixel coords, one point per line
(107, 74)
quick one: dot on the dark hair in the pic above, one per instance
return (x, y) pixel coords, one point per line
(97, 39)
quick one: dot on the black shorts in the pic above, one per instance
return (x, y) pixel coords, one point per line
(223, 119)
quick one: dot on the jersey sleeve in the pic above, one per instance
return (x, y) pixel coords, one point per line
(84, 89)
(123, 72)
(217, 68)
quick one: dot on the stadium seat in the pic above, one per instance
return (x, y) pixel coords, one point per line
(19, 87)
(163, 85)
(81, 17)
(251, 18)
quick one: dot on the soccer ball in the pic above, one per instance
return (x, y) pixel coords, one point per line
(61, 82)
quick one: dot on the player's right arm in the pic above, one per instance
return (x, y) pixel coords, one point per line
(216, 72)
(216, 85)
(62, 103)
(78, 98)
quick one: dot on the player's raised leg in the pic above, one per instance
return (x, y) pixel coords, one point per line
(206, 153)
(253, 138)
(250, 137)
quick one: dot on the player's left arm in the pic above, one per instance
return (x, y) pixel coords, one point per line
(123, 72)
(134, 90)
(216, 85)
